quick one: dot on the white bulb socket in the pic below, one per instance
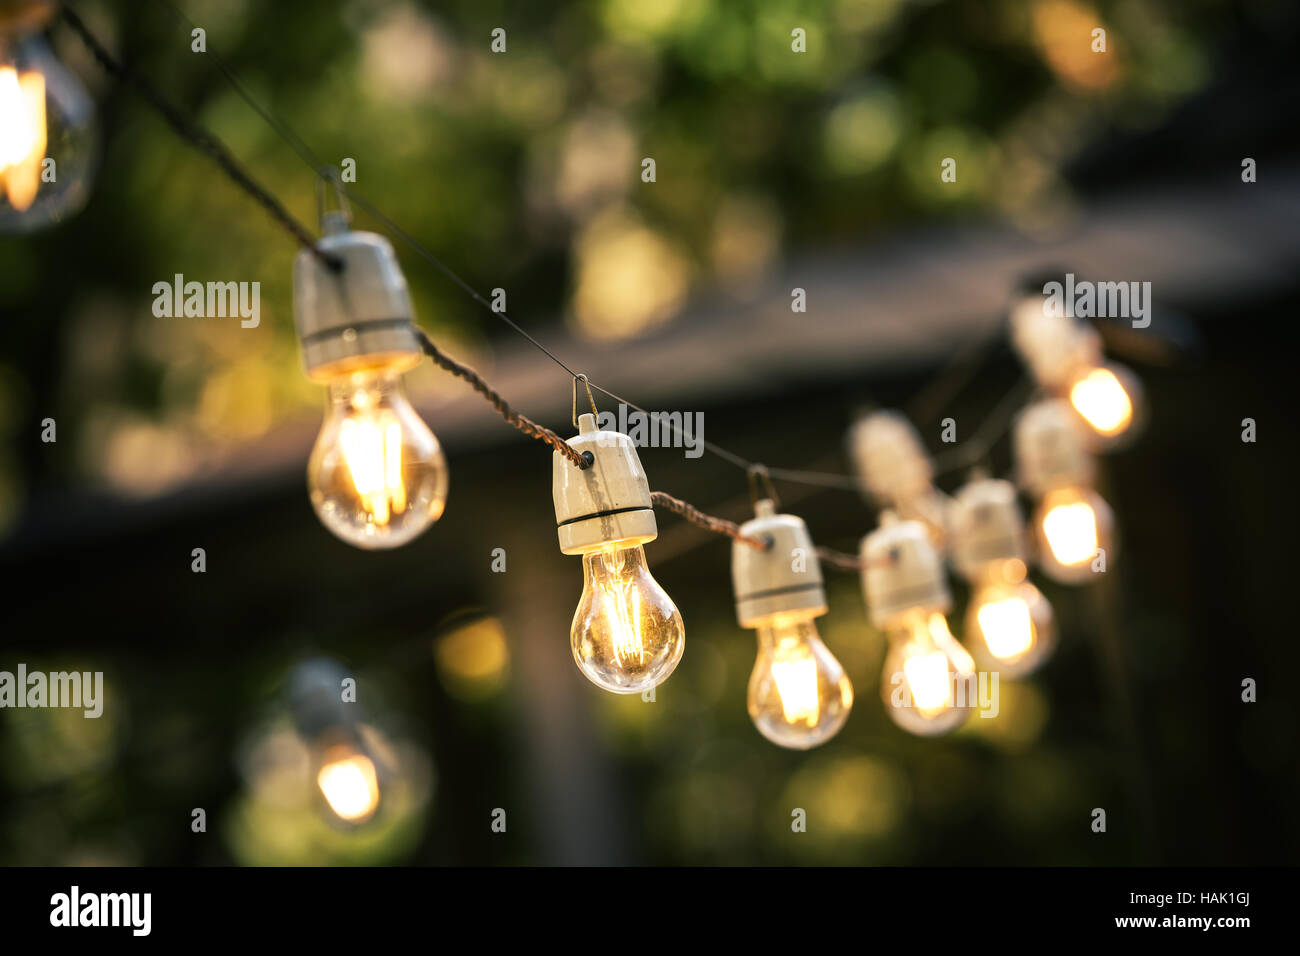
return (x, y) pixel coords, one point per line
(890, 460)
(1052, 450)
(607, 504)
(359, 317)
(901, 571)
(985, 525)
(783, 579)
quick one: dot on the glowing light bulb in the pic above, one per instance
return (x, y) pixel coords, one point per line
(1072, 524)
(1009, 623)
(377, 474)
(928, 684)
(627, 634)
(47, 138)
(799, 695)
(349, 783)
(1106, 397)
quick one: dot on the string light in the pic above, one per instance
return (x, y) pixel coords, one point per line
(928, 681)
(798, 696)
(377, 475)
(378, 478)
(1072, 523)
(1065, 358)
(1009, 624)
(627, 635)
(48, 136)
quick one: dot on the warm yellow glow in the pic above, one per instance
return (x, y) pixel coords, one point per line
(1102, 400)
(372, 447)
(1007, 627)
(622, 606)
(627, 633)
(350, 786)
(794, 671)
(22, 135)
(1071, 533)
(927, 678)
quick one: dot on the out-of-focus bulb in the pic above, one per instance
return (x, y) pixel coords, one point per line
(48, 138)
(799, 695)
(1008, 622)
(627, 634)
(1009, 625)
(377, 474)
(1107, 398)
(349, 783)
(928, 681)
(1072, 524)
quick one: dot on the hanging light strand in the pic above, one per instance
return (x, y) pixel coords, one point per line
(209, 144)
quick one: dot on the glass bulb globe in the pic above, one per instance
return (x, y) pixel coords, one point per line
(1009, 623)
(48, 138)
(349, 782)
(799, 695)
(1072, 524)
(928, 683)
(1109, 400)
(377, 474)
(627, 634)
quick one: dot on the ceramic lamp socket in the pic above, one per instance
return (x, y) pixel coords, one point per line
(607, 503)
(785, 578)
(1051, 448)
(890, 460)
(359, 317)
(985, 524)
(902, 571)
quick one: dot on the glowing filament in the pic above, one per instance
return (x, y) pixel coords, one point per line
(1007, 628)
(350, 786)
(1071, 532)
(22, 135)
(795, 673)
(1103, 402)
(373, 450)
(623, 615)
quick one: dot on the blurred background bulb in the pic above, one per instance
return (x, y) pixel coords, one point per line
(1108, 398)
(1071, 525)
(627, 634)
(349, 783)
(1009, 623)
(377, 474)
(799, 695)
(48, 138)
(928, 683)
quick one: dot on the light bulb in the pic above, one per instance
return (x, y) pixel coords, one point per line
(1072, 525)
(799, 695)
(377, 474)
(627, 634)
(48, 138)
(349, 782)
(1009, 622)
(928, 684)
(1108, 398)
